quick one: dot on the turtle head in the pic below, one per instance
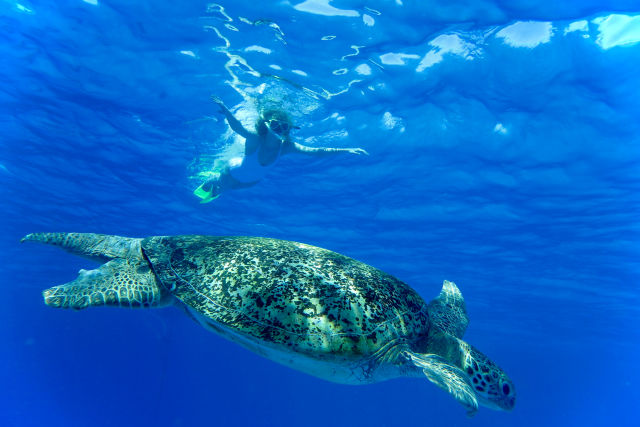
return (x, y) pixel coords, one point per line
(493, 388)
(448, 317)
(470, 376)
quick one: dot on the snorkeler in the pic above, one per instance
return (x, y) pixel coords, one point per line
(261, 151)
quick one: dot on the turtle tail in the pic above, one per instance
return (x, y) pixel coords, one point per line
(119, 282)
(98, 247)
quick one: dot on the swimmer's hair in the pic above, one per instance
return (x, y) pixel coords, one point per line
(261, 127)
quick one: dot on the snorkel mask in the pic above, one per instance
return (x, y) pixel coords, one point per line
(275, 121)
(279, 127)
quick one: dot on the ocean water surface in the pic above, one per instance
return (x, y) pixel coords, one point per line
(504, 155)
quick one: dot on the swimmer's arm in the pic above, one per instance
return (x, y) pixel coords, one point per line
(294, 147)
(235, 124)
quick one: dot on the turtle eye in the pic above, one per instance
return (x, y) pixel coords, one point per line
(506, 389)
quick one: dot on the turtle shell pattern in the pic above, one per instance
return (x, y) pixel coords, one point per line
(299, 297)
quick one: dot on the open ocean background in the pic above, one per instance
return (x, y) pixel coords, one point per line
(504, 141)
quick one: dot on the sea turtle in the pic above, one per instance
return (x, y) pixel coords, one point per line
(308, 308)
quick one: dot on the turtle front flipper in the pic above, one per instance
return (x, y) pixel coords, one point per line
(448, 377)
(120, 282)
(448, 311)
(98, 247)
(126, 280)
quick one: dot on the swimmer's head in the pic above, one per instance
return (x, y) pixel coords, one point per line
(276, 120)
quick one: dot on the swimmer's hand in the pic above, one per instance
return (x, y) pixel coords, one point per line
(358, 151)
(223, 108)
(233, 122)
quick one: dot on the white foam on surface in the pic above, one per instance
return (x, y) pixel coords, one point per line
(324, 8)
(617, 30)
(443, 44)
(579, 26)
(363, 69)
(393, 58)
(526, 34)
(256, 48)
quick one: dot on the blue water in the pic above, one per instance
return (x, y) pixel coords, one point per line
(504, 142)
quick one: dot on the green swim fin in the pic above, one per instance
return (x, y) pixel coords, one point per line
(204, 195)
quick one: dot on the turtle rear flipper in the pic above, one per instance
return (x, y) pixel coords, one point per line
(448, 377)
(120, 282)
(97, 247)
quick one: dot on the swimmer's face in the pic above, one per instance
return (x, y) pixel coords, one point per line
(279, 127)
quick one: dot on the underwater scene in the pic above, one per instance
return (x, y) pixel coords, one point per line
(320, 213)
